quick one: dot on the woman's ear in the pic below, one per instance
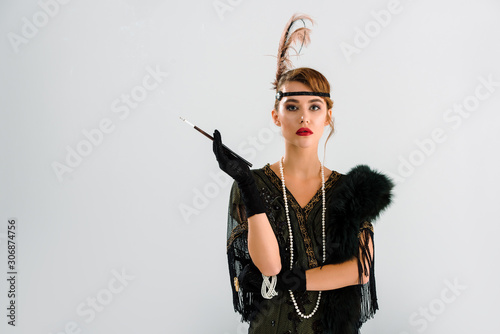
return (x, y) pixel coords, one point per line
(328, 117)
(276, 120)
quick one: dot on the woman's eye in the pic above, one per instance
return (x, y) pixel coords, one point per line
(291, 108)
(315, 107)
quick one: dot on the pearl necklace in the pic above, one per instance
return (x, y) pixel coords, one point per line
(291, 235)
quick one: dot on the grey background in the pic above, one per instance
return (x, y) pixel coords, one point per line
(123, 207)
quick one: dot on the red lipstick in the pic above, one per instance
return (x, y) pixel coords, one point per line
(304, 132)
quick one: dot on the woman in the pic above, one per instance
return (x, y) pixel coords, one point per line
(300, 241)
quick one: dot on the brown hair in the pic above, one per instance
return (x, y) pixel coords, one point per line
(312, 79)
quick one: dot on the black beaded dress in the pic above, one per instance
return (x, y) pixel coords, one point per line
(342, 310)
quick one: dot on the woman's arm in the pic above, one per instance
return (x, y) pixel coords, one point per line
(335, 276)
(262, 245)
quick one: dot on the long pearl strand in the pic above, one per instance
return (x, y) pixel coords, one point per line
(305, 316)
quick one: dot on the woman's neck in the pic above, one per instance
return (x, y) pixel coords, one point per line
(301, 163)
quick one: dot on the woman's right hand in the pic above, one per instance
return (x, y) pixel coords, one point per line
(239, 171)
(232, 166)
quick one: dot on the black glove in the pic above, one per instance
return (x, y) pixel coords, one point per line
(294, 280)
(250, 279)
(241, 173)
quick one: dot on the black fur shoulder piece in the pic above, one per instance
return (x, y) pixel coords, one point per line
(367, 192)
(360, 195)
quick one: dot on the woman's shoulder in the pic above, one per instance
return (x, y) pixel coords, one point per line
(262, 170)
(263, 174)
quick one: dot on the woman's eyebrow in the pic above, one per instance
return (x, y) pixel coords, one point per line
(310, 101)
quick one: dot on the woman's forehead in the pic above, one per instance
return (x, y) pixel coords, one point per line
(294, 86)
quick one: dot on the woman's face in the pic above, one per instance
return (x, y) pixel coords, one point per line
(302, 118)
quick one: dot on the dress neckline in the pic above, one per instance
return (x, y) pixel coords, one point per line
(334, 176)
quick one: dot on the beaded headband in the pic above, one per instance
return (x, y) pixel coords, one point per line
(280, 94)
